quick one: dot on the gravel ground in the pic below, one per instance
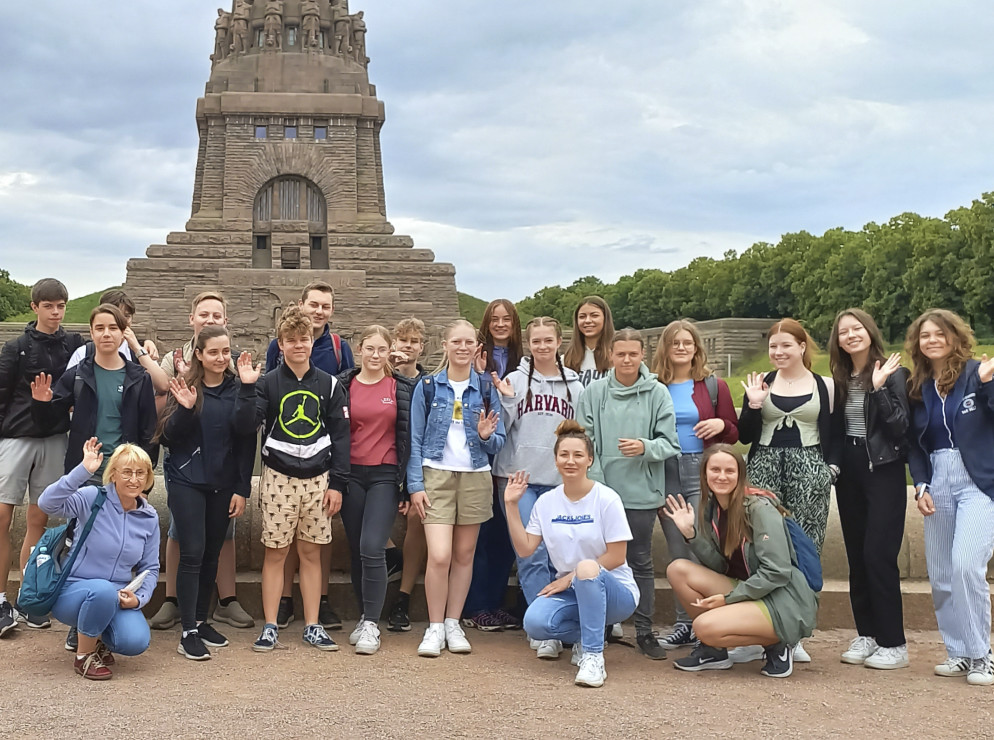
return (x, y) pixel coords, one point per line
(501, 690)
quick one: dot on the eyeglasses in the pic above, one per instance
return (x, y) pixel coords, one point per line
(128, 474)
(683, 343)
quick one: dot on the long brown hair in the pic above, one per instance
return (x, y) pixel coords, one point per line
(738, 527)
(841, 362)
(194, 377)
(545, 321)
(960, 337)
(800, 334)
(515, 351)
(577, 344)
(662, 365)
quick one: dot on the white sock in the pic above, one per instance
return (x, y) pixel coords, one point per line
(435, 624)
(3, 596)
(450, 622)
(81, 655)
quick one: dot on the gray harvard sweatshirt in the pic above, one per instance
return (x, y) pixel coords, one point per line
(531, 425)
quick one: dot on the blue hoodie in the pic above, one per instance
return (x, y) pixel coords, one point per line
(322, 355)
(121, 543)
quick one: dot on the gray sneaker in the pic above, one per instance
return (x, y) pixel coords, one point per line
(234, 615)
(166, 617)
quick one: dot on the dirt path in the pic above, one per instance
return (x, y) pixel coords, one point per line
(501, 690)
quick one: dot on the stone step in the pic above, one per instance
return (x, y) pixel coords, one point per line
(346, 253)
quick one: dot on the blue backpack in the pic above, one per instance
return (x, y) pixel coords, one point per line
(805, 554)
(48, 566)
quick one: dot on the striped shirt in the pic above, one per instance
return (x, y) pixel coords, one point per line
(855, 404)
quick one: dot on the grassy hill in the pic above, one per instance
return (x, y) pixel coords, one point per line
(77, 310)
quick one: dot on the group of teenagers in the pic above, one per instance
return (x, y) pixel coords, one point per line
(515, 451)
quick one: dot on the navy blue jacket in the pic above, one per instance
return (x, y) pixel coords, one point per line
(215, 449)
(322, 355)
(973, 425)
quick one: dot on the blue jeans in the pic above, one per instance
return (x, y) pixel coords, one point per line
(92, 607)
(534, 572)
(492, 562)
(581, 612)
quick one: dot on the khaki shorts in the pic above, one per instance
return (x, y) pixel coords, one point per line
(293, 506)
(30, 464)
(458, 498)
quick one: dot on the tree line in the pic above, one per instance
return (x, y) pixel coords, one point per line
(14, 297)
(894, 270)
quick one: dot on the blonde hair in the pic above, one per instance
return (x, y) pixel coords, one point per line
(409, 326)
(448, 332)
(662, 365)
(375, 330)
(134, 455)
(293, 323)
(209, 295)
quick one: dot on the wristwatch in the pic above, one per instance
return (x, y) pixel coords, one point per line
(920, 490)
(140, 352)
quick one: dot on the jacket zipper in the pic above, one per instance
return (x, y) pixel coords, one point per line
(866, 422)
(717, 535)
(124, 532)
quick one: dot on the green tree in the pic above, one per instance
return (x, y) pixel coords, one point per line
(14, 297)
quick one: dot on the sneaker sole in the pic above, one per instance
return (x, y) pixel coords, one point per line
(650, 656)
(333, 627)
(590, 684)
(717, 665)
(71, 648)
(548, 656)
(398, 628)
(983, 681)
(284, 625)
(8, 628)
(215, 644)
(232, 622)
(363, 650)
(42, 626)
(461, 651)
(672, 646)
(470, 624)
(852, 661)
(181, 651)
(778, 675)
(888, 667)
(323, 648)
(263, 648)
(108, 677)
(428, 653)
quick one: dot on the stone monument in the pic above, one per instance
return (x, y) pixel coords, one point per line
(289, 186)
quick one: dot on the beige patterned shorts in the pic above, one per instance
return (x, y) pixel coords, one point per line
(293, 506)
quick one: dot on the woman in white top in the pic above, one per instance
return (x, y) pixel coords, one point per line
(584, 528)
(589, 350)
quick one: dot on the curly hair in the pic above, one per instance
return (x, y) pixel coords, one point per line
(293, 323)
(960, 337)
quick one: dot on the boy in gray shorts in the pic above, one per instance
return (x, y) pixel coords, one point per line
(31, 457)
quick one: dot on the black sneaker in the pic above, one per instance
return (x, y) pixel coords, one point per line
(192, 647)
(327, 617)
(8, 618)
(779, 660)
(399, 620)
(210, 636)
(649, 646)
(704, 658)
(285, 613)
(681, 636)
(395, 564)
(72, 640)
(35, 623)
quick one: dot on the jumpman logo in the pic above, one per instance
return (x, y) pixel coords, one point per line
(301, 415)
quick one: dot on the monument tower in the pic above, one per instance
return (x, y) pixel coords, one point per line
(289, 186)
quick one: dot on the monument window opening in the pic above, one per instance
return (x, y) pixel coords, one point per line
(320, 133)
(291, 35)
(292, 199)
(289, 132)
(262, 257)
(319, 255)
(260, 38)
(323, 39)
(260, 131)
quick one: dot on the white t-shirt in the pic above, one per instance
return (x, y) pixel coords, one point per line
(456, 455)
(580, 530)
(80, 353)
(588, 368)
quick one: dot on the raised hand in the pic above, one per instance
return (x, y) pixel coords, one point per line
(181, 366)
(880, 374)
(152, 350)
(247, 372)
(487, 424)
(756, 389)
(92, 456)
(41, 387)
(503, 385)
(517, 484)
(133, 344)
(398, 358)
(708, 428)
(681, 514)
(480, 360)
(986, 369)
(186, 396)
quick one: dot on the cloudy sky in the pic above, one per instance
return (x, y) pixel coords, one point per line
(540, 143)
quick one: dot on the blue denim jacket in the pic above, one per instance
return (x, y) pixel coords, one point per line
(430, 427)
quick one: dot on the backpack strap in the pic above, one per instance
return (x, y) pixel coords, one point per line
(78, 541)
(429, 390)
(711, 382)
(336, 342)
(91, 349)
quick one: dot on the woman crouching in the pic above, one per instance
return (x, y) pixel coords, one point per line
(747, 591)
(584, 528)
(124, 541)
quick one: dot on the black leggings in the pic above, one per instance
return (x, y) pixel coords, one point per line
(201, 519)
(368, 513)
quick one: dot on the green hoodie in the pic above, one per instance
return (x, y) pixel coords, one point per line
(644, 410)
(769, 555)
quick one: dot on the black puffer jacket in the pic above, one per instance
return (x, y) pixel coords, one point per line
(405, 389)
(21, 360)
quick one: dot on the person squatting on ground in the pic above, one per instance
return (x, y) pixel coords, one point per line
(629, 416)
(454, 428)
(209, 308)
(583, 527)
(31, 454)
(209, 428)
(500, 354)
(745, 589)
(124, 541)
(332, 354)
(870, 449)
(705, 415)
(952, 466)
(535, 399)
(305, 454)
(380, 446)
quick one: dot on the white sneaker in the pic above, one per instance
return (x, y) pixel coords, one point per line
(549, 649)
(534, 644)
(354, 635)
(455, 638)
(368, 641)
(860, 649)
(433, 642)
(800, 654)
(888, 658)
(591, 671)
(981, 672)
(617, 631)
(577, 654)
(746, 653)
(953, 667)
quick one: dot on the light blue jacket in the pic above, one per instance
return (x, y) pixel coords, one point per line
(430, 426)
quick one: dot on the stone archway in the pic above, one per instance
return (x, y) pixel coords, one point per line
(295, 210)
